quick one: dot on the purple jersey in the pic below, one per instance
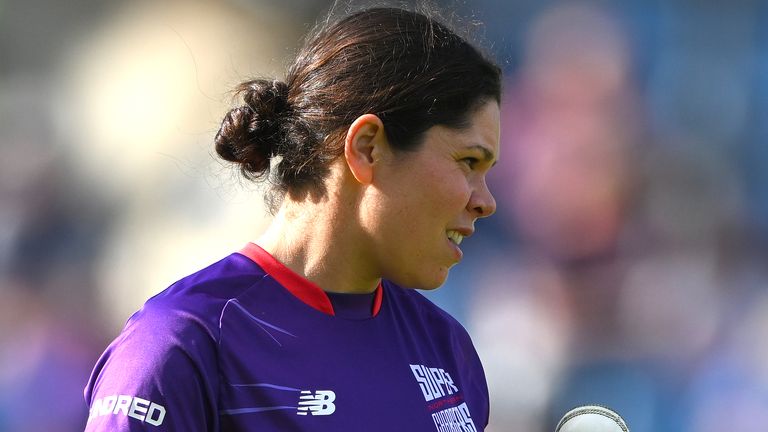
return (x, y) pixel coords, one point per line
(248, 345)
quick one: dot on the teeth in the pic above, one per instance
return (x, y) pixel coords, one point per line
(455, 237)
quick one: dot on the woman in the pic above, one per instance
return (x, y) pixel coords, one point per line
(377, 146)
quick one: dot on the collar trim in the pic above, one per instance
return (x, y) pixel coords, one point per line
(303, 289)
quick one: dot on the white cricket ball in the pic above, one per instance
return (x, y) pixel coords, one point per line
(591, 418)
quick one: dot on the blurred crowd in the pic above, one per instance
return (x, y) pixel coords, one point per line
(626, 264)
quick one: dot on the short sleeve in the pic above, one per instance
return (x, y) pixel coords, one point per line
(160, 374)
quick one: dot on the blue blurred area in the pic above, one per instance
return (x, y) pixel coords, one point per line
(625, 265)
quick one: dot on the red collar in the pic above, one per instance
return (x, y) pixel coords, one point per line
(298, 285)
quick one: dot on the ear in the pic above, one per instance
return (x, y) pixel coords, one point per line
(364, 136)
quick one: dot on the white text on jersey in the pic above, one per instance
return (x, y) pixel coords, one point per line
(454, 419)
(434, 382)
(131, 406)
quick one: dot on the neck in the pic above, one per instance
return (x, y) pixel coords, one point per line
(312, 239)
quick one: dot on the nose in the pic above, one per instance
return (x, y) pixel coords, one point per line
(481, 202)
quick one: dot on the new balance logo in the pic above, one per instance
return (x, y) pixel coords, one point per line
(319, 403)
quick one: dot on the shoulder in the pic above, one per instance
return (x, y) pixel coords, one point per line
(200, 297)
(186, 315)
(167, 352)
(214, 284)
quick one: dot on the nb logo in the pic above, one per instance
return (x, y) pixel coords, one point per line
(320, 403)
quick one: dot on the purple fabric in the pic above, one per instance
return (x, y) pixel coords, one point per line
(352, 306)
(230, 349)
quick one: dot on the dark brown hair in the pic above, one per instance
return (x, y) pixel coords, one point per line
(408, 69)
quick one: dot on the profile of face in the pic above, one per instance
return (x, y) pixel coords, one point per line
(424, 202)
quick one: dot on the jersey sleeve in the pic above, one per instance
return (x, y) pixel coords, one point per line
(160, 374)
(467, 356)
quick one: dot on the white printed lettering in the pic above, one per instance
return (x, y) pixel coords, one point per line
(454, 419)
(95, 409)
(421, 378)
(108, 404)
(155, 414)
(450, 385)
(437, 378)
(130, 406)
(138, 408)
(123, 402)
(434, 382)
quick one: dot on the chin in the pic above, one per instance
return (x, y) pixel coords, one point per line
(420, 284)
(431, 287)
(423, 280)
(431, 282)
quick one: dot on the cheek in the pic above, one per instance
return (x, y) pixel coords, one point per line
(435, 202)
(417, 208)
(450, 193)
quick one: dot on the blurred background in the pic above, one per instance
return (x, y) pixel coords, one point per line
(626, 264)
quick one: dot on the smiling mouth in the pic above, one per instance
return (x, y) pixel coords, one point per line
(455, 237)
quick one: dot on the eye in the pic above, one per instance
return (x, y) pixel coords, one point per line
(471, 162)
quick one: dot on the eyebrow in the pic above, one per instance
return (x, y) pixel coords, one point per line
(487, 154)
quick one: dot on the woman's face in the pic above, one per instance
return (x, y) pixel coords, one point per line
(427, 201)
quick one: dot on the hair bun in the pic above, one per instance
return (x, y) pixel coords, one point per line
(251, 134)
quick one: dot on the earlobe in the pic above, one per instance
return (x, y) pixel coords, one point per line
(363, 136)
